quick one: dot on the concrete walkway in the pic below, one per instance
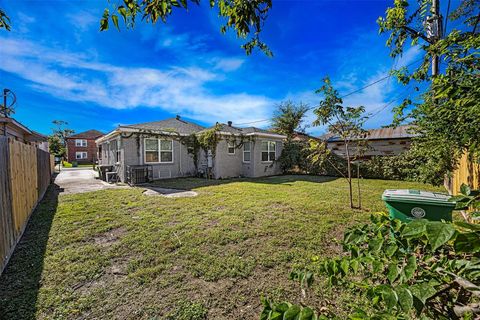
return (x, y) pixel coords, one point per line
(169, 193)
(81, 180)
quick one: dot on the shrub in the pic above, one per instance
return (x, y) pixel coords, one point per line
(423, 269)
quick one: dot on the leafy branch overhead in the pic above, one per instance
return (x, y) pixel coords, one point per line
(245, 17)
(4, 20)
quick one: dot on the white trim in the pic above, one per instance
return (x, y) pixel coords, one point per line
(250, 151)
(231, 145)
(268, 151)
(159, 151)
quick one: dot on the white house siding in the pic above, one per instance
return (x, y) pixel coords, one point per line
(227, 165)
(261, 168)
(182, 166)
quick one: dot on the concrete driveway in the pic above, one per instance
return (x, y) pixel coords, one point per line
(78, 180)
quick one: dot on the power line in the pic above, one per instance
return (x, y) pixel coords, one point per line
(346, 95)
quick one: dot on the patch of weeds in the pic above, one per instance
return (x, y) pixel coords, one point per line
(214, 268)
(188, 310)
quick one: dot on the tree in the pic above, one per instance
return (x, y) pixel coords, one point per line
(57, 140)
(245, 17)
(288, 118)
(55, 146)
(446, 117)
(344, 122)
(4, 20)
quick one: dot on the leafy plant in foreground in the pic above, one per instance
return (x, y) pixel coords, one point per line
(468, 199)
(426, 269)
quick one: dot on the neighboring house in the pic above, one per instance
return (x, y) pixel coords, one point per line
(380, 142)
(303, 137)
(14, 129)
(161, 150)
(81, 147)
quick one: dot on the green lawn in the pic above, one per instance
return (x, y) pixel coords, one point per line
(117, 254)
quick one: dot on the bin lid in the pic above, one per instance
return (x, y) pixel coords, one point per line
(415, 196)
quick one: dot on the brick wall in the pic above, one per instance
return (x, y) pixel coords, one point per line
(91, 150)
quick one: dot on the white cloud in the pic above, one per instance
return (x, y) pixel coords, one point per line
(228, 64)
(77, 77)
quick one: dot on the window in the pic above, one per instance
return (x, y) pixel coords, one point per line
(80, 155)
(80, 143)
(118, 153)
(231, 147)
(247, 151)
(268, 151)
(158, 151)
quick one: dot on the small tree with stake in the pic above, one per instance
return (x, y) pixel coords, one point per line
(345, 122)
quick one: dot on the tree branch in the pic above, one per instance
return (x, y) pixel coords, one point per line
(416, 34)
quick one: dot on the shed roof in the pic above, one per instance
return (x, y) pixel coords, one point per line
(177, 125)
(399, 132)
(89, 134)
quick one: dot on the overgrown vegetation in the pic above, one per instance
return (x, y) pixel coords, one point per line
(423, 269)
(446, 115)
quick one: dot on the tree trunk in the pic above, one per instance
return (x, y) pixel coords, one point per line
(358, 186)
(349, 175)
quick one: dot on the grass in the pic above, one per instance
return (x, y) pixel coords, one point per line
(120, 254)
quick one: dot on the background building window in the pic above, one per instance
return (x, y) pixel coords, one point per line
(268, 151)
(81, 155)
(80, 143)
(247, 151)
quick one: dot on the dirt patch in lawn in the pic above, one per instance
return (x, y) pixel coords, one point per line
(108, 238)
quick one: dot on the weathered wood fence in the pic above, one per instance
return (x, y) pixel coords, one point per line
(25, 173)
(467, 172)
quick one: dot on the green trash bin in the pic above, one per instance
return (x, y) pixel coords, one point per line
(408, 205)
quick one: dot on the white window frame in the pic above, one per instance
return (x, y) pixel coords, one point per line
(249, 151)
(80, 143)
(118, 153)
(229, 146)
(81, 153)
(269, 142)
(159, 150)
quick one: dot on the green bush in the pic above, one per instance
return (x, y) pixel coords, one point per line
(412, 165)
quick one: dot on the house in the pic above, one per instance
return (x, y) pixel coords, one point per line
(303, 137)
(167, 149)
(380, 142)
(12, 128)
(81, 147)
(246, 152)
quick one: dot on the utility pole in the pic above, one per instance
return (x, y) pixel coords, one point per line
(436, 29)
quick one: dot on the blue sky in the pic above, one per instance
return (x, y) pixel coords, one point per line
(62, 67)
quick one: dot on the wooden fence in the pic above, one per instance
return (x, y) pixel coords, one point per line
(467, 172)
(25, 173)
